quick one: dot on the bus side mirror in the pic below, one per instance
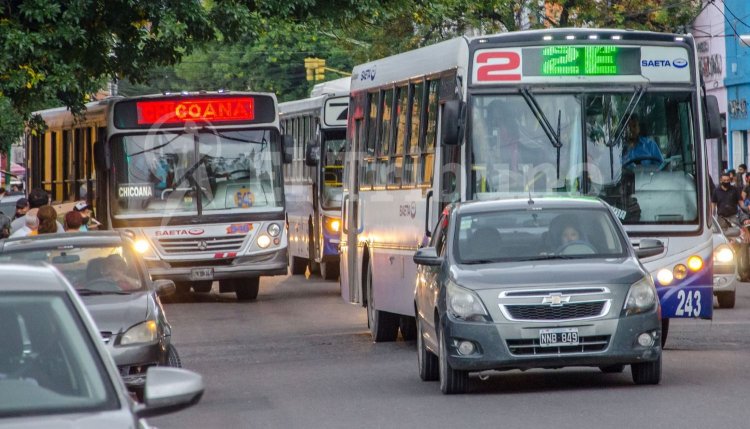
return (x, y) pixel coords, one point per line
(452, 127)
(101, 157)
(713, 118)
(649, 247)
(288, 148)
(312, 154)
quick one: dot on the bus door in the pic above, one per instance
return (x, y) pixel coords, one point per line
(350, 214)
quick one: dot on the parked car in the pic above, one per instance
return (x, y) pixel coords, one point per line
(112, 281)
(725, 265)
(54, 369)
(545, 283)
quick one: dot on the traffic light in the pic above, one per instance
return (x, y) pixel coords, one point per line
(315, 69)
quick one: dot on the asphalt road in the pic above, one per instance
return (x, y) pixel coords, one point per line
(299, 357)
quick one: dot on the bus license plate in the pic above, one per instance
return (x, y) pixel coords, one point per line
(558, 337)
(202, 274)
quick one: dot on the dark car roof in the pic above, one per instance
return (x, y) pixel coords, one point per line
(53, 241)
(26, 277)
(525, 203)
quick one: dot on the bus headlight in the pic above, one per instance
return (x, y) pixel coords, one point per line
(274, 229)
(723, 254)
(264, 241)
(695, 263)
(333, 225)
(665, 277)
(641, 297)
(141, 245)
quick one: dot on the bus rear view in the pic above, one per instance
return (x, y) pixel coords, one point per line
(197, 179)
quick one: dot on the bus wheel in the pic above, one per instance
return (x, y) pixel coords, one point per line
(383, 325)
(246, 289)
(408, 327)
(298, 265)
(329, 270)
(664, 331)
(203, 287)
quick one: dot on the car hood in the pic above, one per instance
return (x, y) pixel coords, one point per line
(557, 272)
(107, 419)
(116, 313)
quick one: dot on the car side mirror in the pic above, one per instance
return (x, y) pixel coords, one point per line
(732, 232)
(312, 155)
(427, 256)
(288, 142)
(649, 247)
(168, 390)
(164, 287)
(453, 122)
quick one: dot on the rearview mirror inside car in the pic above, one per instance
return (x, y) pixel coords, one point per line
(64, 258)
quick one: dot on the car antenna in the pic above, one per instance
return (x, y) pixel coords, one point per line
(531, 200)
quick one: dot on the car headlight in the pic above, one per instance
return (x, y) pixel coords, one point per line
(141, 333)
(464, 304)
(723, 254)
(333, 225)
(141, 245)
(641, 297)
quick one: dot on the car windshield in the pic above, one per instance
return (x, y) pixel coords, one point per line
(537, 234)
(332, 165)
(48, 363)
(181, 175)
(91, 270)
(633, 149)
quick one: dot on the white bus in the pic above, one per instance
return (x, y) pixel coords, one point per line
(195, 177)
(520, 114)
(313, 180)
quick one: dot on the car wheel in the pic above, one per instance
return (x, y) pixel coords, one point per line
(647, 372)
(203, 287)
(426, 360)
(247, 289)
(173, 359)
(298, 265)
(664, 331)
(383, 325)
(408, 327)
(612, 369)
(726, 299)
(329, 271)
(451, 381)
(182, 288)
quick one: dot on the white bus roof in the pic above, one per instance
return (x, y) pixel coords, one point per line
(332, 87)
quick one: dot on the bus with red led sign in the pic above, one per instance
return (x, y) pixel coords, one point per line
(195, 177)
(612, 114)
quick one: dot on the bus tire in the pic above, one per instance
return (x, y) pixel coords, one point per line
(298, 265)
(426, 360)
(329, 270)
(646, 372)
(451, 381)
(203, 287)
(383, 325)
(408, 327)
(664, 331)
(313, 266)
(247, 289)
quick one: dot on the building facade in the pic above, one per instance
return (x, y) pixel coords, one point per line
(737, 80)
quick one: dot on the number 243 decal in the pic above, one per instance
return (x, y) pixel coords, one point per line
(690, 303)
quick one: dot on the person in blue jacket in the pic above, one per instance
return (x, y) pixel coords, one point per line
(640, 149)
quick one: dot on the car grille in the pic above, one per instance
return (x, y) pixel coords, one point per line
(531, 347)
(577, 310)
(173, 246)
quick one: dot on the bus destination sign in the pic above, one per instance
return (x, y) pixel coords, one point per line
(181, 110)
(590, 63)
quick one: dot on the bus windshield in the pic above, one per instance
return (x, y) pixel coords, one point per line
(204, 173)
(633, 149)
(332, 165)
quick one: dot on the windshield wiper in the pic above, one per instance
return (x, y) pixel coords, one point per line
(88, 292)
(620, 129)
(552, 134)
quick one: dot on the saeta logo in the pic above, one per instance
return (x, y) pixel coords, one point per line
(680, 63)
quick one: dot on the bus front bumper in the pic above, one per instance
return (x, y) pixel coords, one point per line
(268, 264)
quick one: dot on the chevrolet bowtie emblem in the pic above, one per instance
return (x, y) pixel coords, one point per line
(555, 299)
